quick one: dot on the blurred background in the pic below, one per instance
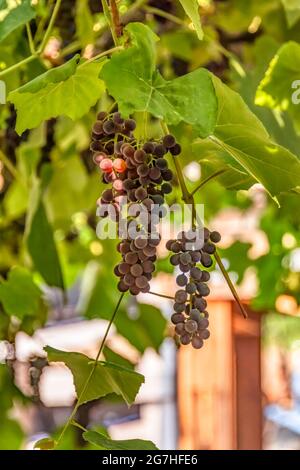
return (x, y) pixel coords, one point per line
(242, 390)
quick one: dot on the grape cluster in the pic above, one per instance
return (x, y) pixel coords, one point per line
(190, 317)
(138, 172)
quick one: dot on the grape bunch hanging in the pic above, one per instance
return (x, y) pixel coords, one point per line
(190, 250)
(139, 172)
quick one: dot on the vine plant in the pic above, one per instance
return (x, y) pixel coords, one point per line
(136, 164)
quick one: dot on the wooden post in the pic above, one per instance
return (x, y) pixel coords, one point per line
(219, 386)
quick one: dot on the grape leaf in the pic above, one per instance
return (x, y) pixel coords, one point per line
(107, 378)
(19, 295)
(276, 88)
(191, 8)
(38, 235)
(246, 142)
(292, 11)
(105, 443)
(14, 14)
(144, 89)
(69, 90)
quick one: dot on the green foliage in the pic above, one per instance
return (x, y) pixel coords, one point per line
(14, 14)
(68, 90)
(19, 295)
(276, 88)
(144, 89)
(38, 235)
(191, 7)
(292, 11)
(107, 378)
(244, 139)
(105, 443)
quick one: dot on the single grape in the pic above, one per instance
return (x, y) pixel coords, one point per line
(206, 260)
(215, 237)
(159, 150)
(169, 141)
(191, 288)
(176, 150)
(124, 268)
(185, 339)
(191, 326)
(181, 280)
(136, 270)
(178, 318)
(178, 307)
(130, 124)
(205, 276)
(179, 328)
(181, 296)
(141, 282)
(161, 163)
(131, 258)
(197, 342)
(148, 147)
(122, 287)
(166, 188)
(200, 304)
(196, 273)
(174, 260)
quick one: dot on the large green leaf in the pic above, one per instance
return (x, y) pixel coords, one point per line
(19, 295)
(40, 240)
(105, 443)
(247, 144)
(13, 14)
(144, 89)
(107, 378)
(292, 11)
(276, 89)
(69, 90)
(191, 7)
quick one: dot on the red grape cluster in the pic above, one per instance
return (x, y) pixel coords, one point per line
(190, 317)
(139, 172)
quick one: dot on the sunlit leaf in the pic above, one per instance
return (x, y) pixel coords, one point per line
(107, 377)
(68, 90)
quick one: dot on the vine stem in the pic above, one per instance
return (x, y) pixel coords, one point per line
(102, 54)
(164, 14)
(115, 16)
(6, 162)
(206, 180)
(50, 26)
(109, 20)
(90, 376)
(161, 295)
(30, 39)
(230, 284)
(189, 199)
